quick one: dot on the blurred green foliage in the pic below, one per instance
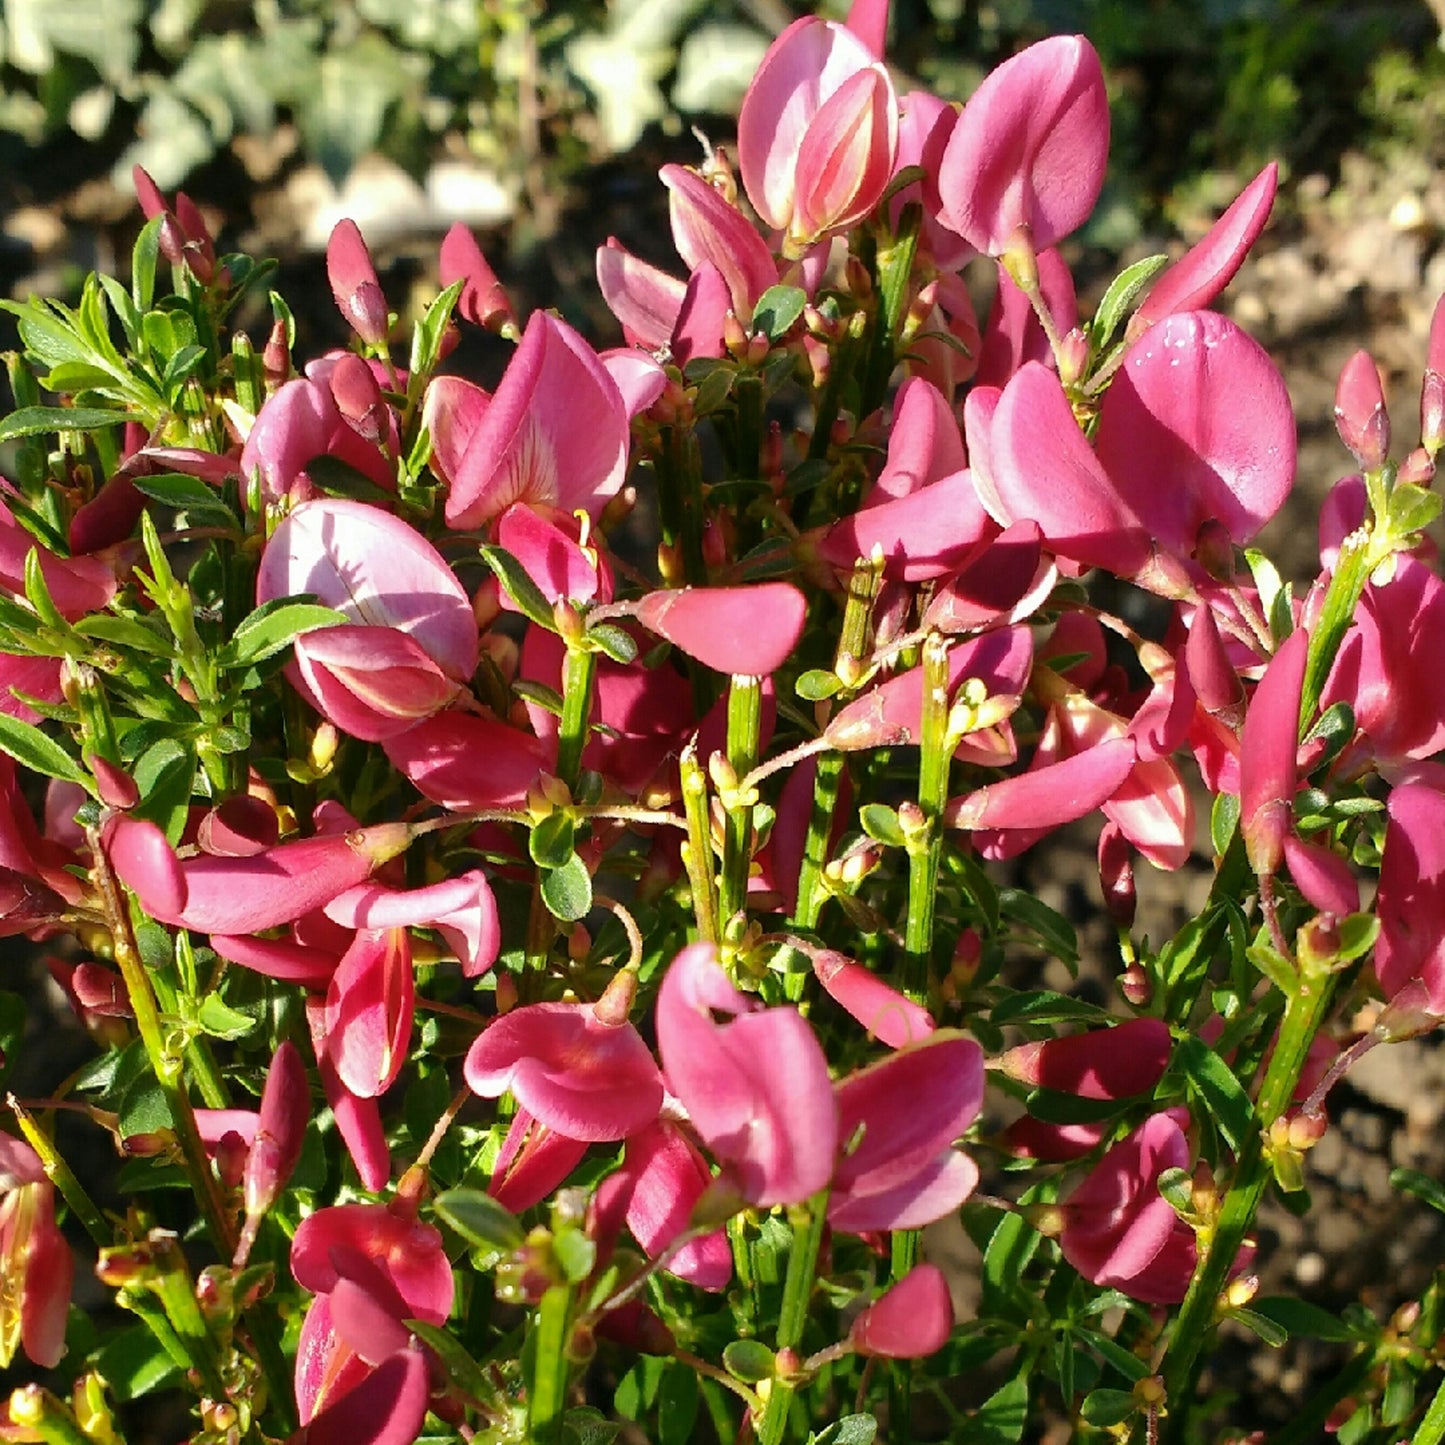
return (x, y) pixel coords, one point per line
(541, 88)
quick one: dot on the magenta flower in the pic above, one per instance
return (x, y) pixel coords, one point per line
(467, 760)
(576, 1068)
(462, 909)
(1410, 902)
(743, 630)
(708, 230)
(897, 1121)
(555, 432)
(354, 285)
(275, 1148)
(661, 1179)
(886, 1014)
(1029, 149)
(250, 894)
(1111, 1063)
(483, 301)
(756, 1088)
(1198, 400)
(35, 1260)
(817, 133)
(1268, 749)
(1194, 280)
(533, 1161)
(911, 1319)
(1119, 1230)
(370, 1002)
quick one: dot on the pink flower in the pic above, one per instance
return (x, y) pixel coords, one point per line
(742, 630)
(370, 1002)
(1029, 149)
(886, 1014)
(35, 1260)
(1119, 1230)
(1268, 749)
(1110, 1063)
(897, 1121)
(911, 1319)
(354, 285)
(1410, 902)
(555, 432)
(756, 1088)
(577, 1068)
(483, 301)
(817, 133)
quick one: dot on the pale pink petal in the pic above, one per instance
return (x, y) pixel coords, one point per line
(1322, 875)
(746, 630)
(1048, 796)
(370, 1003)
(464, 760)
(462, 909)
(1410, 902)
(881, 1009)
(644, 300)
(354, 285)
(1030, 148)
(708, 230)
(1199, 401)
(847, 156)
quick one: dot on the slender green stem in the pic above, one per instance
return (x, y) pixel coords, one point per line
(1304, 1013)
(745, 711)
(925, 848)
(895, 272)
(697, 851)
(811, 895)
(547, 1394)
(808, 1227)
(1360, 554)
(579, 669)
(58, 1172)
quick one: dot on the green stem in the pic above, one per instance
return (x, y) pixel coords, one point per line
(811, 895)
(579, 669)
(697, 851)
(808, 1226)
(925, 849)
(1360, 554)
(895, 271)
(58, 1172)
(745, 711)
(1304, 1013)
(547, 1395)
(167, 1068)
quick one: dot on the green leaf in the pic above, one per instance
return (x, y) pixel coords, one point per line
(32, 421)
(1052, 929)
(143, 257)
(1103, 1408)
(575, 1253)
(615, 641)
(133, 1364)
(463, 1370)
(567, 891)
(551, 842)
(1002, 1417)
(1267, 581)
(817, 684)
(144, 1108)
(221, 1021)
(426, 336)
(677, 1402)
(537, 692)
(41, 753)
(1222, 1095)
(1124, 294)
(272, 627)
(1177, 1187)
(1412, 509)
(191, 494)
(777, 310)
(714, 389)
(164, 775)
(587, 1425)
(1223, 822)
(127, 632)
(1299, 1317)
(1129, 1365)
(1275, 967)
(479, 1219)
(1358, 933)
(880, 822)
(1273, 1334)
(849, 1430)
(1044, 1006)
(750, 1361)
(1013, 1243)
(1411, 1181)
(524, 592)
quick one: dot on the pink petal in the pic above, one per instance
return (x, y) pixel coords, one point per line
(1108, 1063)
(912, 1319)
(462, 909)
(388, 1407)
(1004, 580)
(756, 1088)
(886, 1014)
(644, 300)
(483, 300)
(1030, 148)
(581, 1077)
(1193, 281)
(707, 230)
(1199, 401)
(1268, 747)
(49, 1273)
(640, 378)
(1410, 901)
(701, 318)
(555, 432)
(451, 412)
(744, 630)
(1040, 468)
(464, 760)
(846, 157)
(548, 548)
(1048, 796)
(408, 1252)
(376, 569)
(369, 1007)
(1324, 877)
(278, 958)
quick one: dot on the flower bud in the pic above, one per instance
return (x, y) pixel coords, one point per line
(1360, 415)
(285, 1110)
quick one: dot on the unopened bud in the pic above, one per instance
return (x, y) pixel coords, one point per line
(1150, 1392)
(1073, 356)
(276, 358)
(912, 819)
(1360, 415)
(358, 397)
(324, 743)
(506, 993)
(758, 348)
(230, 1154)
(1340, 1415)
(276, 1150)
(1418, 468)
(116, 787)
(1306, 1130)
(1116, 875)
(1134, 984)
(856, 277)
(820, 360)
(734, 336)
(1239, 1292)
